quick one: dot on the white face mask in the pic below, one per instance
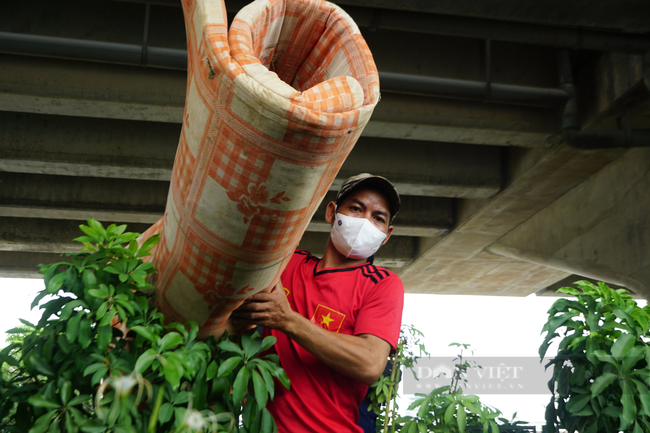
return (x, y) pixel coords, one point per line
(356, 238)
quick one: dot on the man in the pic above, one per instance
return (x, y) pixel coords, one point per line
(336, 318)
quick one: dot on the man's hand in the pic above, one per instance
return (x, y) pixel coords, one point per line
(361, 357)
(268, 309)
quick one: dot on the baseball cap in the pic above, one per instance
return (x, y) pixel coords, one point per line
(368, 180)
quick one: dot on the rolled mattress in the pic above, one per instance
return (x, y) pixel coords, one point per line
(274, 106)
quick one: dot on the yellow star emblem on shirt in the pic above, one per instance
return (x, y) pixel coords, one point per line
(326, 320)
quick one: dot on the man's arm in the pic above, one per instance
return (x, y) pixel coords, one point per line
(362, 357)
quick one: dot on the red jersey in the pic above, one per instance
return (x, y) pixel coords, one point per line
(362, 299)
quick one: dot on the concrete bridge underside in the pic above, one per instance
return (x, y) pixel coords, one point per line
(494, 201)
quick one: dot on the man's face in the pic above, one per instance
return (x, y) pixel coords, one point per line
(366, 203)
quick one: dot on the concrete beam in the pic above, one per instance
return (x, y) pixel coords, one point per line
(628, 15)
(599, 229)
(84, 89)
(25, 265)
(73, 146)
(117, 22)
(68, 197)
(128, 201)
(460, 263)
(38, 236)
(428, 169)
(625, 15)
(609, 85)
(455, 121)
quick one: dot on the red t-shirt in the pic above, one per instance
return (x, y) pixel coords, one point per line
(362, 299)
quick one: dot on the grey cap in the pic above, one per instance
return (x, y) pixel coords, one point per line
(371, 181)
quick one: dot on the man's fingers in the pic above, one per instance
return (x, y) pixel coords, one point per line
(258, 297)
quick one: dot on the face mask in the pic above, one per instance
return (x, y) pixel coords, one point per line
(356, 238)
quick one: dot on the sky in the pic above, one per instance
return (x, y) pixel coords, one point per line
(493, 326)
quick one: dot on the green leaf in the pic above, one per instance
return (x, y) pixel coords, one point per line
(108, 317)
(85, 332)
(555, 322)
(72, 327)
(145, 360)
(66, 390)
(94, 367)
(606, 357)
(93, 426)
(229, 365)
(631, 359)
(170, 340)
(79, 399)
(101, 293)
(268, 380)
(127, 306)
(194, 330)
(42, 401)
(146, 333)
(629, 407)
(101, 311)
(43, 422)
(147, 246)
(173, 370)
(251, 344)
(99, 375)
(55, 283)
(602, 382)
(69, 308)
(229, 346)
(585, 411)
(70, 426)
(461, 417)
(267, 343)
(568, 291)
(39, 364)
(88, 278)
(104, 337)
(37, 299)
(268, 424)
(240, 384)
(622, 346)
(449, 413)
(644, 397)
(181, 398)
(279, 373)
(211, 371)
(77, 415)
(612, 411)
(26, 323)
(261, 395)
(166, 412)
(577, 403)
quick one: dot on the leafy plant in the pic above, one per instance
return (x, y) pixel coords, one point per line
(447, 409)
(80, 369)
(601, 373)
(383, 393)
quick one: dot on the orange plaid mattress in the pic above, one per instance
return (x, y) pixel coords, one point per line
(273, 108)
